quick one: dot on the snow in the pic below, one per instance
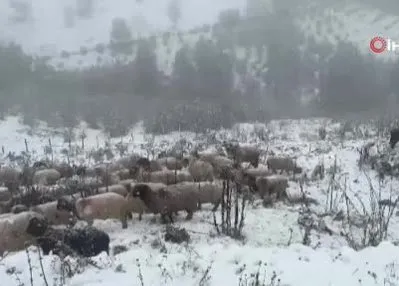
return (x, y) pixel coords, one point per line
(273, 236)
(46, 35)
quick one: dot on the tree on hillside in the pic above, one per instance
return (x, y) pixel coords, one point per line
(284, 60)
(22, 11)
(146, 77)
(121, 38)
(214, 70)
(349, 82)
(69, 17)
(84, 8)
(184, 76)
(174, 12)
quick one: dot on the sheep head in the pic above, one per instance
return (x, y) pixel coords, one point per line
(142, 191)
(65, 204)
(143, 163)
(37, 226)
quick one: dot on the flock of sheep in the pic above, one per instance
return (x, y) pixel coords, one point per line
(40, 203)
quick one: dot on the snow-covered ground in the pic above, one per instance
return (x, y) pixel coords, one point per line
(272, 235)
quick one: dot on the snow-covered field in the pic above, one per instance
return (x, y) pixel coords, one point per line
(273, 238)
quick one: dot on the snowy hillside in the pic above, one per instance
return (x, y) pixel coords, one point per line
(273, 244)
(45, 32)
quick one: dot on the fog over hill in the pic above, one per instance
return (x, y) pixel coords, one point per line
(171, 62)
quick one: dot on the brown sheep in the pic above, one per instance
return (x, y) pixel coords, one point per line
(272, 185)
(101, 206)
(200, 170)
(168, 200)
(283, 164)
(243, 153)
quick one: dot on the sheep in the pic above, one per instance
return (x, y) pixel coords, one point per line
(19, 209)
(5, 194)
(129, 161)
(269, 185)
(87, 242)
(100, 206)
(167, 200)
(117, 188)
(46, 177)
(151, 166)
(171, 163)
(136, 205)
(394, 137)
(52, 214)
(207, 192)
(243, 153)
(166, 177)
(13, 231)
(66, 170)
(283, 164)
(123, 174)
(200, 170)
(10, 177)
(222, 166)
(127, 183)
(40, 165)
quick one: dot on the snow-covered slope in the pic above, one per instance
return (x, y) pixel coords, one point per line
(273, 236)
(46, 34)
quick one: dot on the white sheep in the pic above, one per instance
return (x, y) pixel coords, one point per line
(171, 163)
(13, 234)
(222, 165)
(283, 164)
(5, 194)
(46, 177)
(117, 188)
(10, 177)
(200, 170)
(166, 177)
(208, 192)
(100, 206)
(52, 214)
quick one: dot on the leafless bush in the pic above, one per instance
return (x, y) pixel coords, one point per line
(232, 223)
(374, 224)
(122, 148)
(322, 133)
(258, 278)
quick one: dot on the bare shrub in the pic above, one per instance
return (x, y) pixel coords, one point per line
(260, 277)
(231, 223)
(373, 226)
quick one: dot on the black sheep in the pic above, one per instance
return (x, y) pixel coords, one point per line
(87, 242)
(394, 137)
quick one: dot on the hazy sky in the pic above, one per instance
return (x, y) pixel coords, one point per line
(47, 27)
